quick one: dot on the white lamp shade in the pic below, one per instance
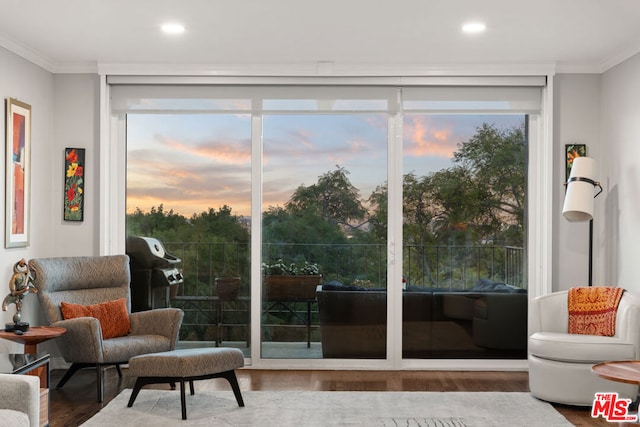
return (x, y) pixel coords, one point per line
(578, 201)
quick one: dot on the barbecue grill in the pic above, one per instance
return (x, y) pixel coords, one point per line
(153, 273)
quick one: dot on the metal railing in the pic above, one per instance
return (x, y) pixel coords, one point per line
(459, 267)
(436, 266)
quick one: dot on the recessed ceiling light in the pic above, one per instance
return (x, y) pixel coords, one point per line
(474, 27)
(173, 28)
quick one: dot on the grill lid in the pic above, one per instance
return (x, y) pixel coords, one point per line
(148, 252)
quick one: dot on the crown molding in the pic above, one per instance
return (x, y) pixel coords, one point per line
(622, 55)
(28, 54)
(579, 68)
(43, 62)
(630, 49)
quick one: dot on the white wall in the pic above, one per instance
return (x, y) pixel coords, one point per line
(576, 120)
(31, 84)
(64, 110)
(77, 125)
(620, 136)
(602, 111)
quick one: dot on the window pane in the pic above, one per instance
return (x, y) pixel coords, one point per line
(320, 172)
(189, 186)
(463, 232)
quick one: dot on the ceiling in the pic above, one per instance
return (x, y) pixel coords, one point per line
(331, 35)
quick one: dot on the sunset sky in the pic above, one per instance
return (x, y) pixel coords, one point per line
(193, 162)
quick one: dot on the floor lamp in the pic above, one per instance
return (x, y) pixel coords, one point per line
(578, 200)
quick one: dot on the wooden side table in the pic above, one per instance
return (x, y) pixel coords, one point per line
(33, 364)
(34, 336)
(624, 371)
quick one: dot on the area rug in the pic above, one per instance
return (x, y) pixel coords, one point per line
(330, 408)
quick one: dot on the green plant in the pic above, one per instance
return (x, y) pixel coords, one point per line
(279, 267)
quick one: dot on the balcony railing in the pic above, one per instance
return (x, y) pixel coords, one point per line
(439, 266)
(448, 267)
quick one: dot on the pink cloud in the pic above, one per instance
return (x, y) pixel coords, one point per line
(231, 153)
(423, 139)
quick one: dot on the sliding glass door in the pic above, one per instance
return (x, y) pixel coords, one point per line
(391, 220)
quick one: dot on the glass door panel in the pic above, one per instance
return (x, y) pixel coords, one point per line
(323, 226)
(189, 186)
(463, 236)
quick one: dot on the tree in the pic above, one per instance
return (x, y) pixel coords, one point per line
(156, 223)
(495, 161)
(221, 225)
(298, 235)
(379, 214)
(418, 208)
(332, 198)
(463, 206)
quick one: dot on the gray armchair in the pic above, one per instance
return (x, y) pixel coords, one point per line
(94, 280)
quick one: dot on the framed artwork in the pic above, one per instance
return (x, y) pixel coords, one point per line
(73, 184)
(17, 173)
(573, 151)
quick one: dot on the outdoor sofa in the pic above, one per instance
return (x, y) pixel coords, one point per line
(488, 320)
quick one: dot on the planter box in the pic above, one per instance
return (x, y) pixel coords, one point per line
(227, 288)
(290, 288)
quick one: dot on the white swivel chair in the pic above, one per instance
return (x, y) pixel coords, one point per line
(560, 363)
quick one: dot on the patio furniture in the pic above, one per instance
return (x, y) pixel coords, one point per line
(489, 320)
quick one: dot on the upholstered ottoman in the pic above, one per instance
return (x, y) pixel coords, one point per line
(186, 365)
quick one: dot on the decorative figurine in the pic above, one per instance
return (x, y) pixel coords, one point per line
(19, 286)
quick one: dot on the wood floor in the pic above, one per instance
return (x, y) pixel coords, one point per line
(76, 402)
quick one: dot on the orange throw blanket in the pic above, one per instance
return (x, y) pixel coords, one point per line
(592, 310)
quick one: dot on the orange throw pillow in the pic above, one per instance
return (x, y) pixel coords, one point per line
(112, 315)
